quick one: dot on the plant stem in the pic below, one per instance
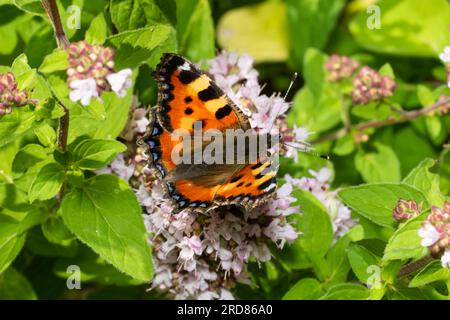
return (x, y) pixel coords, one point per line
(51, 8)
(63, 130)
(414, 266)
(404, 117)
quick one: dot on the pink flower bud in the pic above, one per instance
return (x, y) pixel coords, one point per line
(406, 209)
(340, 67)
(369, 86)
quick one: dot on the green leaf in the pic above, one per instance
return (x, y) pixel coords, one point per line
(293, 256)
(15, 125)
(135, 14)
(361, 259)
(346, 291)
(376, 201)
(91, 154)
(426, 181)
(56, 231)
(314, 223)
(138, 46)
(425, 95)
(12, 234)
(7, 154)
(253, 30)
(344, 146)
(58, 60)
(47, 183)
(106, 216)
(316, 114)
(337, 259)
(387, 71)
(98, 30)
(314, 71)
(116, 115)
(405, 243)
(12, 198)
(9, 249)
(9, 38)
(14, 286)
(408, 28)
(401, 144)
(30, 6)
(46, 135)
(39, 245)
(195, 29)
(310, 24)
(28, 156)
(379, 166)
(431, 273)
(305, 289)
(436, 129)
(93, 269)
(444, 171)
(20, 65)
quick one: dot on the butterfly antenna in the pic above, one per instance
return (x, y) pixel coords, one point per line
(308, 151)
(294, 77)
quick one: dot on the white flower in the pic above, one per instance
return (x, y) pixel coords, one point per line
(445, 259)
(301, 134)
(261, 252)
(324, 174)
(145, 199)
(445, 56)
(120, 81)
(280, 233)
(83, 90)
(429, 234)
(208, 295)
(142, 124)
(189, 247)
(225, 295)
(163, 277)
(121, 168)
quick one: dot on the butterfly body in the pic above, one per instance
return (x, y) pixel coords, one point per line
(190, 102)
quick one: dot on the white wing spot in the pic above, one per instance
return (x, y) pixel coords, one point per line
(185, 66)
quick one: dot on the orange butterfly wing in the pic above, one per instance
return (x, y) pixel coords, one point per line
(186, 95)
(250, 185)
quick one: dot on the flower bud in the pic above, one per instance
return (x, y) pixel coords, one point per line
(10, 95)
(369, 86)
(340, 67)
(406, 209)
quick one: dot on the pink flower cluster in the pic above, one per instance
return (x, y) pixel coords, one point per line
(203, 255)
(91, 71)
(369, 85)
(319, 186)
(435, 233)
(406, 209)
(340, 67)
(10, 95)
(236, 75)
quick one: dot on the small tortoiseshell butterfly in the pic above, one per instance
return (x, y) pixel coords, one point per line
(186, 96)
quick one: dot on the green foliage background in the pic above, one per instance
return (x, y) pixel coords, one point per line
(37, 242)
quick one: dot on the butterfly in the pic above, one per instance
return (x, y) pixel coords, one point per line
(186, 97)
